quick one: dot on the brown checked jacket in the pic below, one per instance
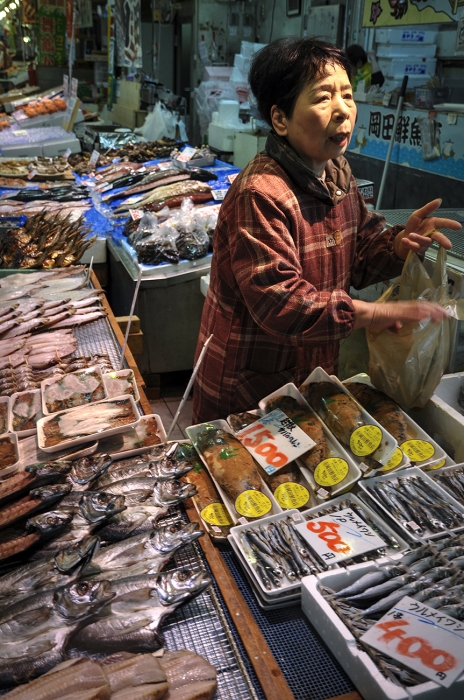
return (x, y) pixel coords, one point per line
(287, 248)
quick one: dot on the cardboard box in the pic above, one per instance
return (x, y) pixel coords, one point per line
(128, 116)
(135, 343)
(384, 35)
(122, 322)
(129, 94)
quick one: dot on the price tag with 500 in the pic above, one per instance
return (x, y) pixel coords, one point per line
(275, 440)
(340, 535)
(422, 638)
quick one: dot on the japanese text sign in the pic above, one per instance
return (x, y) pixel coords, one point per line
(422, 638)
(340, 535)
(275, 440)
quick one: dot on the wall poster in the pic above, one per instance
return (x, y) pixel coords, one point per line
(51, 29)
(128, 33)
(395, 13)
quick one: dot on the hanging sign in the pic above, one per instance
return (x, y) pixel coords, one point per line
(422, 638)
(51, 33)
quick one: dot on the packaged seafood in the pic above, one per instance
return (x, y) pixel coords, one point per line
(147, 432)
(330, 470)
(417, 447)
(74, 389)
(367, 441)
(9, 454)
(4, 408)
(25, 411)
(417, 506)
(358, 660)
(233, 470)
(451, 479)
(120, 383)
(77, 426)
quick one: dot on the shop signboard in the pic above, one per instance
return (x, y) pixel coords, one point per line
(51, 32)
(128, 33)
(398, 13)
(29, 11)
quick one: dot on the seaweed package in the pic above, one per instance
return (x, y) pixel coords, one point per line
(408, 364)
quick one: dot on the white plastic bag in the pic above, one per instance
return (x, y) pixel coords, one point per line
(407, 365)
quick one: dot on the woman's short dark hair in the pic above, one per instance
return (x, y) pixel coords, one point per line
(356, 53)
(281, 69)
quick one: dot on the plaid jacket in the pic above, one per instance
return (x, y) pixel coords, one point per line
(286, 250)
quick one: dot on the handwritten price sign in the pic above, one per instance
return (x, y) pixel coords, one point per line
(339, 536)
(422, 638)
(275, 440)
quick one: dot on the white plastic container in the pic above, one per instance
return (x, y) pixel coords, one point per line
(406, 50)
(370, 682)
(385, 35)
(388, 443)
(411, 66)
(69, 385)
(71, 441)
(410, 534)
(121, 383)
(336, 449)
(9, 469)
(436, 455)
(193, 432)
(15, 401)
(130, 443)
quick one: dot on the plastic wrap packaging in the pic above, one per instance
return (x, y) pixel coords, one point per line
(407, 365)
(430, 130)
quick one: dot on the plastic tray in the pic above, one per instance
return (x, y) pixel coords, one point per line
(72, 442)
(14, 399)
(414, 432)
(370, 682)
(13, 438)
(388, 444)
(335, 447)
(78, 398)
(413, 471)
(121, 383)
(376, 518)
(128, 444)
(192, 432)
(4, 426)
(445, 470)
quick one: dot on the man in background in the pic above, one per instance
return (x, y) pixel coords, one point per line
(365, 67)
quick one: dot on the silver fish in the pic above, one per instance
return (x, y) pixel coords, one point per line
(132, 622)
(373, 578)
(86, 470)
(158, 493)
(151, 550)
(43, 623)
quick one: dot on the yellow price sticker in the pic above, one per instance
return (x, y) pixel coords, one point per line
(331, 471)
(365, 440)
(291, 495)
(432, 467)
(253, 504)
(418, 450)
(216, 514)
(393, 461)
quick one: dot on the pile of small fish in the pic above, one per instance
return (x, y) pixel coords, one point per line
(137, 153)
(51, 237)
(278, 553)
(38, 167)
(78, 598)
(451, 481)
(179, 675)
(58, 193)
(417, 505)
(432, 574)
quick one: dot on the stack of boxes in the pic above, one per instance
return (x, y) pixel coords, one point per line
(126, 110)
(408, 52)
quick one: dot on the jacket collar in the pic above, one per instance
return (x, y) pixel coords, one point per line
(338, 172)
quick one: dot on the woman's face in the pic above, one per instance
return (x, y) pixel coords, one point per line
(323, 118)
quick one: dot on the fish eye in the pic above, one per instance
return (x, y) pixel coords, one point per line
(183, 575)
(82, 588)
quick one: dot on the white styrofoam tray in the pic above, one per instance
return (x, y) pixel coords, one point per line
(368, 679)
(17, 398)
(336, 449)
(13, 438)
(48, 384)
(128, 444)
(114, 387)
(74, 441)
(287, 586)
(413, 432)
(444, 470)
(5, 427)
(412, 471)
(193, 431)
(372, 514)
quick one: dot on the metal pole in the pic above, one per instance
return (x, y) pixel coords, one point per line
(134, 299)
(392, 141)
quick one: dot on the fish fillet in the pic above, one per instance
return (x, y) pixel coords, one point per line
(143, 692)
(381, 407)
(140, 669)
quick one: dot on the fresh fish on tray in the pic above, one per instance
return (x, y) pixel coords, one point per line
(162, 196)
(26, 410)
(32, 476)
(159, 494)
(37, 529)
(451, 481)
(74, 389)
(161, 468)
(37, 499)
(132, 623)
(381, 407)
(8, 452)
(86, 421)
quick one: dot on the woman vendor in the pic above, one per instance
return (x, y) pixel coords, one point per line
(293, 235)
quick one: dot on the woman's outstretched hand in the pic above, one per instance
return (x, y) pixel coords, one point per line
(394, 314)
(420, 223)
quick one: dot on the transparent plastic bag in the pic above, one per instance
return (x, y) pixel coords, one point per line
(407, 365)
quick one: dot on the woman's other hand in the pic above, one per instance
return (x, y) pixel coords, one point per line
(394, 314)
(419, 223)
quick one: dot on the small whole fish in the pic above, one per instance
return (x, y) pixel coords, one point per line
(372, 579)
(36, 499)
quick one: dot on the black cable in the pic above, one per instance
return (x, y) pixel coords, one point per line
(272, 21)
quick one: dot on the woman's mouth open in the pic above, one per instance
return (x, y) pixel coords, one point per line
(340, 139)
